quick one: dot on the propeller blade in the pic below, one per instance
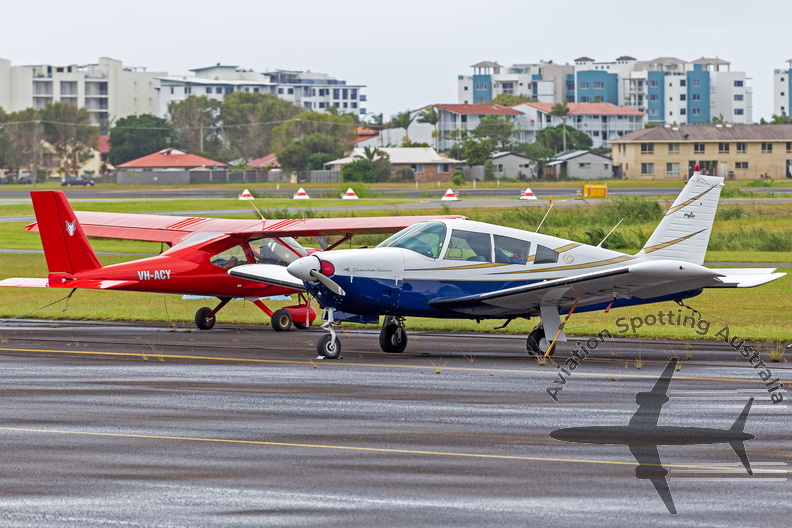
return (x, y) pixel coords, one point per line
(328, 282)
(322, 241)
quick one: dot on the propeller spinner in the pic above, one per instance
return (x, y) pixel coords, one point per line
(311, 268)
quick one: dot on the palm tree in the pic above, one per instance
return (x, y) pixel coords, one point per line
(403, 120)
(371, 153)
(561, 110)
(377, 124)
(431, 116)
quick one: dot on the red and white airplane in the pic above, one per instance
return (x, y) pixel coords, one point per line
(202, 250)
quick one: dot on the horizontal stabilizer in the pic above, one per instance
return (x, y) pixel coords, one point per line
(746, 277)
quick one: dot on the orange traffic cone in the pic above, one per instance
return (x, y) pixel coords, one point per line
(301, 194)
(450, 195)
(528, 195)
(349, 195)
(246, 195)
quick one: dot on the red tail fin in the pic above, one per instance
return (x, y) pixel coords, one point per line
(66, 247)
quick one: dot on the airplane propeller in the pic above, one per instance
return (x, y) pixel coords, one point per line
(311, 269)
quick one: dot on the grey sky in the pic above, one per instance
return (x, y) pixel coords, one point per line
(407, 52)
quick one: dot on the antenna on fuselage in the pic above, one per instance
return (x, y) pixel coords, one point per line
(257, 209)
(609, 233)
(545, 216)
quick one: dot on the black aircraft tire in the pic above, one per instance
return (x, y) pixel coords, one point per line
(328, 348)
(301, 326)
(534, 338)
(281, 320)
(393, 339)
(203, 322)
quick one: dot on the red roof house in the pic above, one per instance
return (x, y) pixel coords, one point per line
(171, 158)
(269, 161)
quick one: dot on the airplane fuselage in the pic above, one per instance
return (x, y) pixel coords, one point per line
(405, 281)
(656, 435)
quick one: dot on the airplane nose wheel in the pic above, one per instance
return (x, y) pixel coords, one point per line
(537, 342)
(393, 336)
(329, 346)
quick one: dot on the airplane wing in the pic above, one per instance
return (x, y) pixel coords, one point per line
(746, 277)
(650, 403)
(646, 279)
(173, 229)
(650, 468)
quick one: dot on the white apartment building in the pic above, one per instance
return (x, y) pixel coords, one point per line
(667, 89)
(108, 90)
(782, 98)
(312, 91)
(546, 82)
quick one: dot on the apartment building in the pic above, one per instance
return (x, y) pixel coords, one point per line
(782, 98)
(107, 89)
(313, 91)
(731, 151)
(667, 89)
(546, 82)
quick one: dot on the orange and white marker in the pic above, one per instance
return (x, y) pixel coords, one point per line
(528, 194)
(349, 195)
(301, 194)
(246, 195)
(450, 195)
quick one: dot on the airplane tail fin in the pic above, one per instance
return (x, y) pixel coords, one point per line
(684, 231)
(738, 446)
(66, 246)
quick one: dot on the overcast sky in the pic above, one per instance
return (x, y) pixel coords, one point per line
(408, 52)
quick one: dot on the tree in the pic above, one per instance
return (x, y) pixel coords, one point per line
(18, 138)
(300, 154)
(136, 136)
(341, 128)
(195, 123)
(477, 152)
(559, 138)
(561, 110)
(403, 120)
(248, 120)
(512, 99)
(378, 125)
(782, 119)
(431, 116)
(70, 133)
(363, 170)
(498, 130)
(372, 154)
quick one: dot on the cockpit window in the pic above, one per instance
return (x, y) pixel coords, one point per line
(511, 250)
(469, 245)
(545, 255)
(425, 238)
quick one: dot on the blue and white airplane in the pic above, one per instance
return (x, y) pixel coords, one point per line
(461, 269)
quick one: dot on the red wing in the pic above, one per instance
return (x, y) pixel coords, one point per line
(172, 229)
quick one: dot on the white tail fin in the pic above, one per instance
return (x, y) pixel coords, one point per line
(684, 231)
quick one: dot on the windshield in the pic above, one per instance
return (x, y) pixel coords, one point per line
(425, 238)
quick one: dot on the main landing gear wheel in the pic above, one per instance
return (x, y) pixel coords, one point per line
(301, 326)
(281, 320)
(393, 339)
(537, 343)
(202, 321)
(329, 347)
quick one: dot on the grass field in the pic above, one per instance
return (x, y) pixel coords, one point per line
(746, 232)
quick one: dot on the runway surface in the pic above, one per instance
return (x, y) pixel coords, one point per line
(145, 425)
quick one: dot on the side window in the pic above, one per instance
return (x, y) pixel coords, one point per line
(468, 245)
(511, 250)
(545, 255)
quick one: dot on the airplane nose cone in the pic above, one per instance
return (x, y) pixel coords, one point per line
(302, 267)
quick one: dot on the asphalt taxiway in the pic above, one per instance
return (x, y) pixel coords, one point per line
(150, 425)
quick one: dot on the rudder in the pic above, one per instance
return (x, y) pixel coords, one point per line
(684, 231)
(66, 247)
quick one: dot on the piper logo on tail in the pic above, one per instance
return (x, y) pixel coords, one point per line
(71, 226)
